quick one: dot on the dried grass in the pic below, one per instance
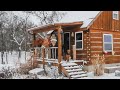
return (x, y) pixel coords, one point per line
(98, 63)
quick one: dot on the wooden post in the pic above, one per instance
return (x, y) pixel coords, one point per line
(34, 51)
(59, 49)
(34, 38)
(43, 57)
(74, 52)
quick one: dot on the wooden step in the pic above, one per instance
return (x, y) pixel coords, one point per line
(69, 64)
(79, 76)
(74, 67)
(74, 73)
(74, 70)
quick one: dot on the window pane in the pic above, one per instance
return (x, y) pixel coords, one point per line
(108, 47)
(107, 38)
(78, 36)
(115, 15)
(79, 44)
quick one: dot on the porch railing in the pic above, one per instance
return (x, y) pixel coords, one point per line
(50, 54)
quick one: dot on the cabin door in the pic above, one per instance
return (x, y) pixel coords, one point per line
(66, 41)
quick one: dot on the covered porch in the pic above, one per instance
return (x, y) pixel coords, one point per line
(56, 54)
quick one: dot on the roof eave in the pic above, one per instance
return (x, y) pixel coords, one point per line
(94, 19)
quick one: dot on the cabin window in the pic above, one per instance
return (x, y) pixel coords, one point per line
(79, 40)
(107, 42)
(116, 15)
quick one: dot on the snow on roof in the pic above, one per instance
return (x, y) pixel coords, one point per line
(49, 32)
(85, 16)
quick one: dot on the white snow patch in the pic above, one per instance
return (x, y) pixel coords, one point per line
(36, 71)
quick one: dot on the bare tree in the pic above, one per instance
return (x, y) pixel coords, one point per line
(47, 17)
(3, 19)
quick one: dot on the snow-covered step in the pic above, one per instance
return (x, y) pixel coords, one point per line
(74, 67)
(74, 73)
(79, 76)
(52, 59)
(69, 64)
(74, 70)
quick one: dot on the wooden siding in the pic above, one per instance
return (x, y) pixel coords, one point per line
(85, 53)
(93, 38)
(97, 45)
(105, 21)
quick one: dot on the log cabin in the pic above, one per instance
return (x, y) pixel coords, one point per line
(97, 34)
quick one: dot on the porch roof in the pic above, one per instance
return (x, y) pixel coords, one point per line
(54, 27)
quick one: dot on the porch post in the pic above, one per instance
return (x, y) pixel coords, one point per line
(34, 51)
(59, 50)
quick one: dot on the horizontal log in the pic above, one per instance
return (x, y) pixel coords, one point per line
(79, 58)
(116, 45)
(81, 51)
(116, 36)
(96, 49)
(116, 49)
(95, 32)
(117, 53)
(81, 54)
(116, 40)
(96, 44)
(93, 53)
(96, 39)
(96, 35)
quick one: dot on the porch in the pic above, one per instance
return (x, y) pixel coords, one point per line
(54, 55)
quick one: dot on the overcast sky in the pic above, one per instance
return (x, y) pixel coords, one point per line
(72, 16)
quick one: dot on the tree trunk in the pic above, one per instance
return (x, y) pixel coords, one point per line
(25, 49)
(6, 57)
(19, 56)
(2, 54)
(43, 52)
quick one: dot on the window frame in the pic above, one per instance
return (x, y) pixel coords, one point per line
(116, 13)
(108, 42)
(79, 40)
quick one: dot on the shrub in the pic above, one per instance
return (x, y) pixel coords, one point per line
(98, 64)
(7, 73)
(26, 67)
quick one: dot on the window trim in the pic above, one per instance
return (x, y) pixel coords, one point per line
(117, 13)
(79, 40)
(108, 43)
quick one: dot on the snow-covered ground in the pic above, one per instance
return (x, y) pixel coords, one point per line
(13, 58)
(104, 76)
(52, 71)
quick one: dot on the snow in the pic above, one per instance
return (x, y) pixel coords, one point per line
(104, 76)
(52, 71)
(112, 67)
(74, 16)
(49, 32)
(36, 71)
(69, 64)
(13, 58)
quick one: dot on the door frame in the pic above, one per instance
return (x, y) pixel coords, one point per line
(69, 38)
